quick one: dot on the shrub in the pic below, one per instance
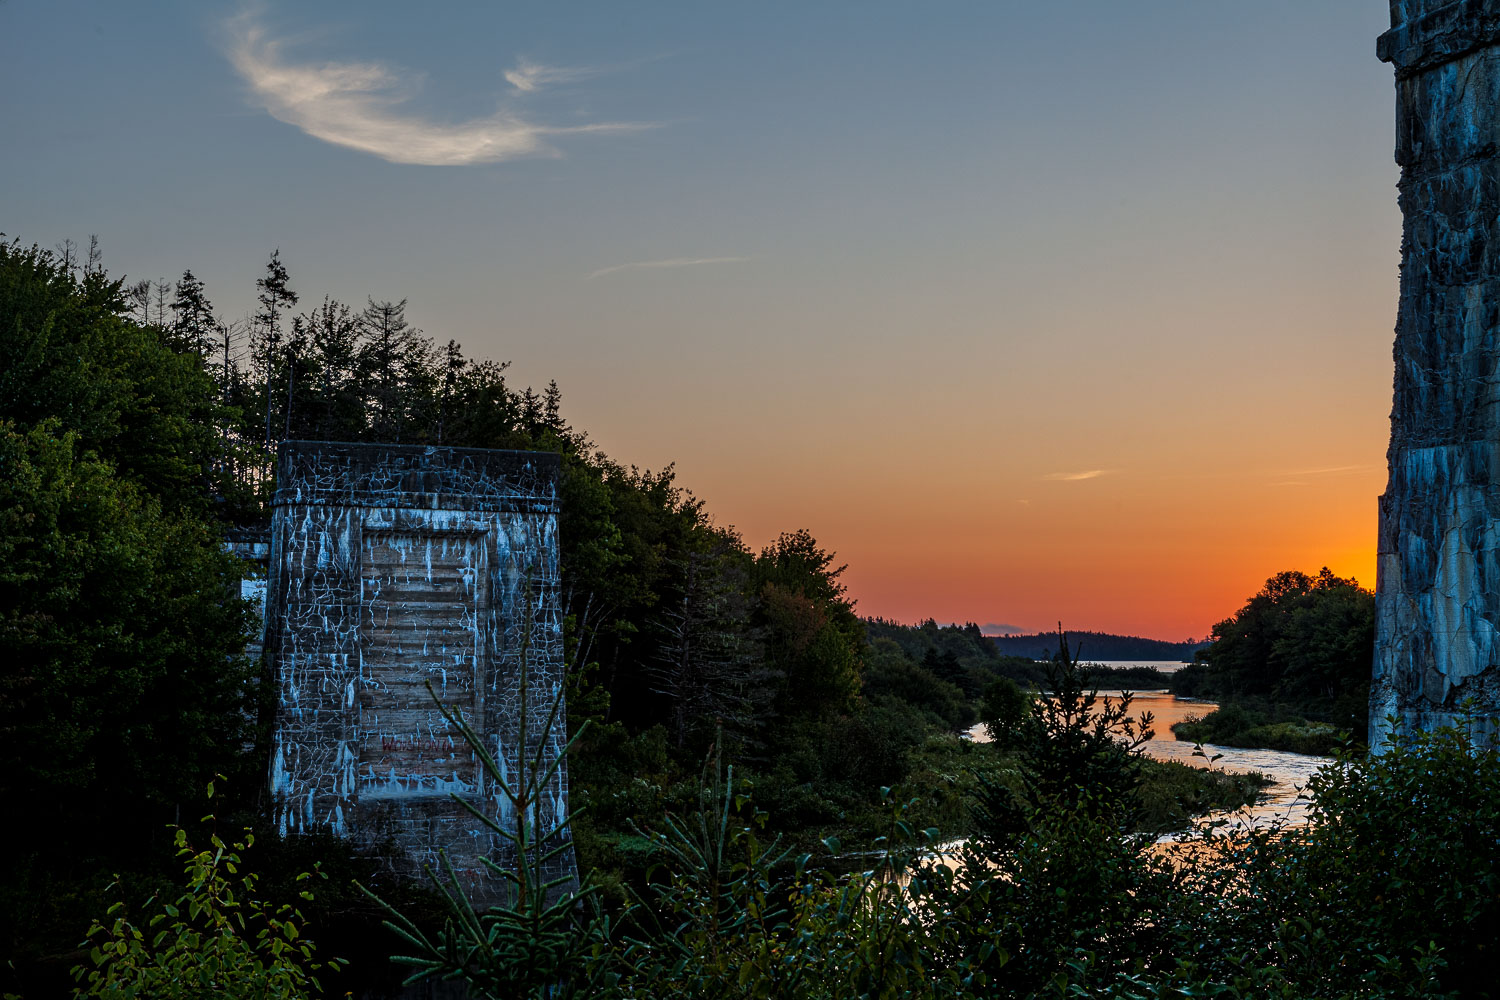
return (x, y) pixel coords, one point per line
(216, 939)
(1073, 748)
(1400, 863)
(1074, 884)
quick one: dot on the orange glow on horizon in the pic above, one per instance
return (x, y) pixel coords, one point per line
(1118, 552)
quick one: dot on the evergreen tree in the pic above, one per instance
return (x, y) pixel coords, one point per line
(388, 339)
(453, 370)
(552, 409)
(708, 662)
(334, 400)
(812, 635)
(95, 261)
(275, 298)
(123, 683)
(67, 351)
(193, 325)
(140, 294)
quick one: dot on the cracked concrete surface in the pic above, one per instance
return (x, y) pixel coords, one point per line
(1438, 585)
(392, 568)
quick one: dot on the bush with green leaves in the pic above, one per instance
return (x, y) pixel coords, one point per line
(732, 915)
(1393, 890)
(1303, 643)
(1395, 880)
(216, 939)
(726, 914)
(542, 938)
(1075, 884)
(1073, 748)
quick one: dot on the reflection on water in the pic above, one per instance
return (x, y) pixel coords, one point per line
(1288, 771)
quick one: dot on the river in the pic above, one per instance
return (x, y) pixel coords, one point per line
(1288, 771)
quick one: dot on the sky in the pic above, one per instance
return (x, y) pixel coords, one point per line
(1072, 312)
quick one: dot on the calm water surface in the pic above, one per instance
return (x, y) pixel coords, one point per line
(1288, 771)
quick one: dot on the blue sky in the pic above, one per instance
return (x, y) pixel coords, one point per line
(848, 265)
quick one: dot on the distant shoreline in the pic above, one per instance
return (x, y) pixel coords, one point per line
(1097, 647)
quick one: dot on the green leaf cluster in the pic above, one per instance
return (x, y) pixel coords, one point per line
(1300, 647)
(217, 938)
(123, 684)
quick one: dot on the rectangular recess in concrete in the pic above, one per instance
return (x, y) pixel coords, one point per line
(423, 596)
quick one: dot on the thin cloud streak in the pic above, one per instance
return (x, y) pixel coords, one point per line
(1328, 470)
(357, 105)
(640, 265)
(529, 77)
(1073, 477)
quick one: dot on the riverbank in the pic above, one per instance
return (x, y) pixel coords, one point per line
(1286, 773)
(1176, 788)
(1237, 726)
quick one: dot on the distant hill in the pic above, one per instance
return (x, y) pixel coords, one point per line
(1091, 646)
(996, 628)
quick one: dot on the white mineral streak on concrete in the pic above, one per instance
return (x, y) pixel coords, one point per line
(359, 748)
(1438, 587)
(1452, 645)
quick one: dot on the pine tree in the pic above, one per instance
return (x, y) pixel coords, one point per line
(388, 339)
(140, 294)
(162, 288)
(193, 325)
(552, 409)
(275, 298)
(330, 373)
(95, 262)
(710, 669)
(453, 367)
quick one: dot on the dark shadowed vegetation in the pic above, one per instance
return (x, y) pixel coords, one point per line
(1290, 669)
(764, 781)
(1097, 646)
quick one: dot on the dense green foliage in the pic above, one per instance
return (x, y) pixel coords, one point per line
(68, 356)
(1075, 752)
(1068, 904)
(124, 686)
(1234, 725)
(1298, 653)
(128, 447)
(218, 938)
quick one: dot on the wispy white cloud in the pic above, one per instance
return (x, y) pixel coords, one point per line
(638, 265)
(1295, 477)
(359, 105)
(1329, 470)
(529, 77)
(1073, 477)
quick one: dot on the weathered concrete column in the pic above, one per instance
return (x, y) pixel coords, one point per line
(1438, 586)
(393, 569)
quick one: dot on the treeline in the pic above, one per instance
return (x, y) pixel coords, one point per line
(1290, 669)
(138, 426)
(948, 669)
(136, 429)
(1097, 646)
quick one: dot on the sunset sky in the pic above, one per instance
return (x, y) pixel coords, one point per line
(1032, 312)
